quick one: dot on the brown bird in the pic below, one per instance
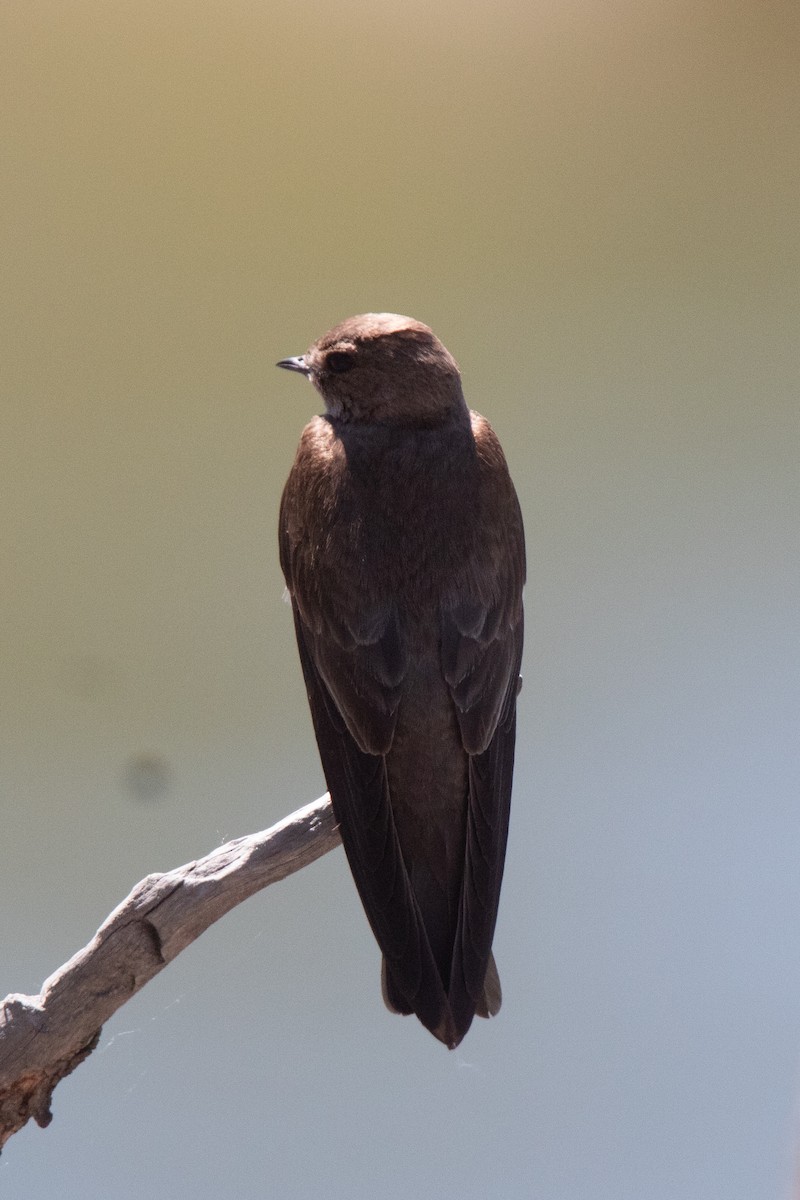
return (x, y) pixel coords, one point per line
(402, 545)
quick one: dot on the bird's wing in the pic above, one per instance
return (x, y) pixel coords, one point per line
(482, 635)
(354, 662)
(360, 795)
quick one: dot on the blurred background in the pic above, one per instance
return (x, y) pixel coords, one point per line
(595, 205)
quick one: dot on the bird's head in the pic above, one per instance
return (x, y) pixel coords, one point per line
(386, 369)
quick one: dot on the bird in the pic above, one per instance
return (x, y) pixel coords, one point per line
(402, 546)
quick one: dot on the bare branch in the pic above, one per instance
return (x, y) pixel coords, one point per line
(43, 1038)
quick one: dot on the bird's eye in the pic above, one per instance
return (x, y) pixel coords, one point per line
(340, 361)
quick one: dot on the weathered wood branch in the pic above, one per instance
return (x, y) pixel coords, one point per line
(43, 1038)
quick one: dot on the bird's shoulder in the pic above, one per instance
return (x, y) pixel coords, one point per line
(493, 471)
(320, 457)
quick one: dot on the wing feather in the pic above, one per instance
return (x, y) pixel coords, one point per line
(362, 806)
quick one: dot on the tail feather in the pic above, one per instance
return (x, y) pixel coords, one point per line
(488, 1004)
(492, 998)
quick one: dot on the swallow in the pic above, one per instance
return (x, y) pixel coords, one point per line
(402, 546)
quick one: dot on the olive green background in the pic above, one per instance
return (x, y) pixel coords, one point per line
(596, 207)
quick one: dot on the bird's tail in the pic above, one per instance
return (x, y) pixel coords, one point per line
(488, 1004)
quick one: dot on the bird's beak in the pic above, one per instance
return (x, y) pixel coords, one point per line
(294, 364)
